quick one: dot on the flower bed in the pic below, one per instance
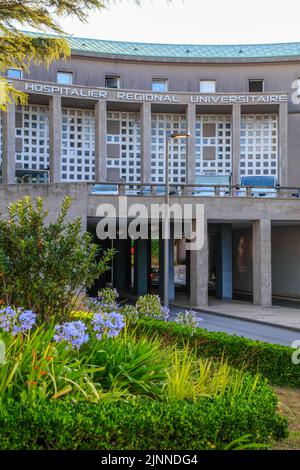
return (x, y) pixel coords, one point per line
(104, 377)
(104, 380)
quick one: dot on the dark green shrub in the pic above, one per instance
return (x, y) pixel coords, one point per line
(271, 360)
(141, 423)
(45, 266)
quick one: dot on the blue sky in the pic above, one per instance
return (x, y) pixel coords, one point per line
(193, 21)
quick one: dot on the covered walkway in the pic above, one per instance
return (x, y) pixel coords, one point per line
(286, 315)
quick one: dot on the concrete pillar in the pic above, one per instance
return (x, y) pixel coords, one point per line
(224, 263)
(141, 266)
(188, 272)
(199, 273)
(146, 143)
(236, 143)
(170, 267)
(191, 144)
(149, 260)
(100, 141)
(283, 144)
(9, 145)
(55, 137)
(262, 265)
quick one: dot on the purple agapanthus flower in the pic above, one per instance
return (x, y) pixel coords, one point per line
(26, 321)
(8, 317)
(97, 304)
(16, 320)
(115, 323)
(165, 312)
(73, 333)
(108, 323)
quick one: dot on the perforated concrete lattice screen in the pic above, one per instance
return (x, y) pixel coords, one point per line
(32, 137)
(259, 145)
(161, 125)
(124, 145)
(78, 145)
(213, 145)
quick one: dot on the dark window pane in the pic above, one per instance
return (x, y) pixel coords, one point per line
(256, 86)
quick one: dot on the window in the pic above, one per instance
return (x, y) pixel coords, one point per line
(160, 85)
(207, 86)
(65, 78)
(112, 82)
(14, 73)
(256, 86)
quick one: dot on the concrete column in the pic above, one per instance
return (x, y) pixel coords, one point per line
(141, 266)
(55, 137)
(283, 144)
(188, 272)
(191, 144)
(224, 263)
(149, 260)
(170, 267)
(262, 265)
(9, 145)
(100, 141)
(199, 273)
(146, 143)
(236, 142)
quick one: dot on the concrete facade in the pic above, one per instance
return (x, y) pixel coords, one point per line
(264, 255)
(210, 153)
(85, 133)
(183, 78)
(52, 195)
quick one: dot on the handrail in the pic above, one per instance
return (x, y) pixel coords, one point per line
(196, 190)
(183, 189)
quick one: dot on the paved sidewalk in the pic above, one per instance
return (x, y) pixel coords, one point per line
(277, 315)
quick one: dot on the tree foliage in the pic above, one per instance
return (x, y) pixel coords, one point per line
(45, 266)
(18, 49)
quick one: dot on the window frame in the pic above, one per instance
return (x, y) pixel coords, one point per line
(113, 77)
(160, 80)
(207, 80)
(15, 70)
(66, 72)
(256, 80)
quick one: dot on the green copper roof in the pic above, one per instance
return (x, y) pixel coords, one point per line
(181, 51)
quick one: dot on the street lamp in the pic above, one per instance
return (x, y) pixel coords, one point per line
(174, 136)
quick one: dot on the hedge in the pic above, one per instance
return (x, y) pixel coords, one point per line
(271, 360)
(141, 424)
